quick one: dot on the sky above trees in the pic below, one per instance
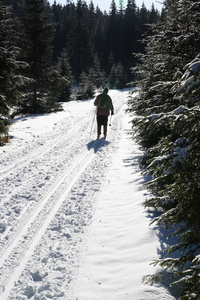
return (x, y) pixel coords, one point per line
(105, 4)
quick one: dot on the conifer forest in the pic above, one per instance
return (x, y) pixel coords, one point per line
(51, 54)
(166, 125)
(48, 51)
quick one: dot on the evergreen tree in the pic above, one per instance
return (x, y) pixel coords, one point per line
(130, 21)
(111, 62)
(36, 38)
(112, 34)
(99, 33)
(92, 18)
(65, 78)
(86, 87)
(153, 15)
(80, 46)
(98, 76)
(117, 78)
(130, 37)
(58, 39)
(11, 77)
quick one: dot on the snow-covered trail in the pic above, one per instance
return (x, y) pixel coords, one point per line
(121, 245)
(56, 194)
(48, 184)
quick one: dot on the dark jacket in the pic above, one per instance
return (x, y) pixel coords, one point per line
(104, 104)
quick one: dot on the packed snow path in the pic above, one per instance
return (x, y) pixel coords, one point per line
(54, 184)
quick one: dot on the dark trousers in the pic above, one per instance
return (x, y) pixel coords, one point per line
(102, 121)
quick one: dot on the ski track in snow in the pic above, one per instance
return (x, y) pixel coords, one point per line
(51, 181)
(48, 189)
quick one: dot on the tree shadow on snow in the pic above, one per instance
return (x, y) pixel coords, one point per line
(97, 145)
(134, 163)
(32, 117)
(166, 241)
(162, 234)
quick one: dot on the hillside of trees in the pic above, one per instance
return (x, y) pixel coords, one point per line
(166, 124)
(51, 54)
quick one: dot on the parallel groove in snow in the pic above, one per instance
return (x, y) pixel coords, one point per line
(25, 160)
(21, 245)
(31, 150)
(27, 222)
(70, 148)
(84, 161)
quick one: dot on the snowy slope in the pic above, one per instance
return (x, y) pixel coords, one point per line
(72, 224)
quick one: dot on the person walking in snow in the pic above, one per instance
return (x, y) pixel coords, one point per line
(104, 106)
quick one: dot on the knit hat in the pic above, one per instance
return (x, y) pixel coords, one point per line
(105, 91)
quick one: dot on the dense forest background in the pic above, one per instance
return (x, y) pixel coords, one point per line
(51, 54)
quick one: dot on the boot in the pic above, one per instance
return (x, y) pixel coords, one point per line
(98, 131)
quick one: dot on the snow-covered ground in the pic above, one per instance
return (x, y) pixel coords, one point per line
(72, 221)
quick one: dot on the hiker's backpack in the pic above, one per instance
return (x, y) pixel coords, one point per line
(103, 102)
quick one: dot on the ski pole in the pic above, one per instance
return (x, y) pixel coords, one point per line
(93, 121)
